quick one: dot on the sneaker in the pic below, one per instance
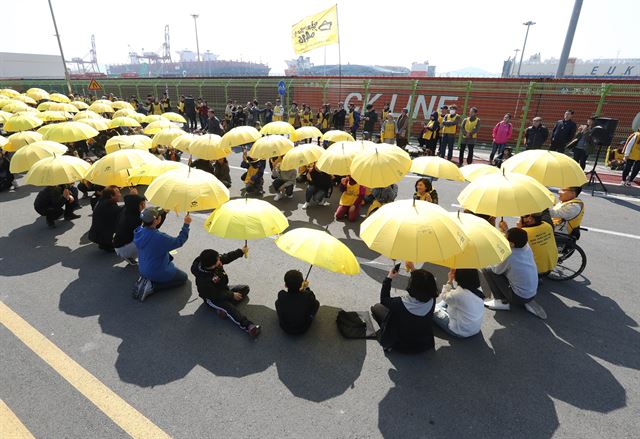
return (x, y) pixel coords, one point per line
(497, 305)
(147, 290)
(131, 261)
(71, 216)
(534, 308)
(290, 196)
(253, 330)
(277, 197)
(325, 203)
(14, 184)
(305, 205)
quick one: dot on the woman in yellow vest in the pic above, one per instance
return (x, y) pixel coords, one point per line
(425, 191)
(351, 200)
(429, 135)
(631, 152)
(541, 240)
(278, 111)
(470, 127)
(294, 116)
(156, 108)
(382, 196)
(388, 131)
(449, 128)
(568, 213)
(325, 118)
(306, 116)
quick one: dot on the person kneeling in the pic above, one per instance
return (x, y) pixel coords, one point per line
(297, 305)
(461, 309)
(405, 322)
(213, 286)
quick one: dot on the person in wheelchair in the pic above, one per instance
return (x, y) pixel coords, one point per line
(568, 213)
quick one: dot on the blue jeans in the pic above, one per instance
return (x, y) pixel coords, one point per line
(447, 143)
(499, 147)
(313, 194)
(441, 318)
(178, 279)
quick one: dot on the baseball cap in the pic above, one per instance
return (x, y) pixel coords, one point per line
(149, 214)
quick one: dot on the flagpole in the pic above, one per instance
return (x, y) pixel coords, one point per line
(339, 56)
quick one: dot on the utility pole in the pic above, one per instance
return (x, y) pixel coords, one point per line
(568, 41)
(528, 24)
(195, 22)
(513, 67)
(64, 62)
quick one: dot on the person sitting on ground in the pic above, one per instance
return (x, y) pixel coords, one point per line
(213, 287)
(461, 309)
(568, 212)
(203, 165)
(405, 322)
(222, 172)
(381, 196)
(105, 218)
(351, 199)
(515, 280)
(284, 181)
(172, 154)
(297, 305)
(541, 240)
(319, 187)
(157, 271)
(425, 191)
(506, 153)
(128, 221)
(254, 177)
(7, 179)
(55, 201)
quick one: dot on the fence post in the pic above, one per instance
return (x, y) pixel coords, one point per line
(367, 83)
(255, 89)
(226, 92)
(200, 88)
(604, 91)
(465, 108)
(525, 113)
(412, 100)
(325, 87)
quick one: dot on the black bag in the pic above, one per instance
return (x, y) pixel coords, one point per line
(355, 324)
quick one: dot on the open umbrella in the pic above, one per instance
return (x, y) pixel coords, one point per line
(4, 115)
(101, 124)
(337, 158)
(145, 174)
(183, 141)
(62, 106)
(278, 127)
(239, 136)
(548, 167)
(59, 169)
(486, 245)
(309, 132)
(128, 112)
(18, 140)
(54, 116)
(99, 107)
(380, 166)
(208, 147)
(149, 118)
(28, 155)
(158, 125)
(59, 97)
(115, 168)
(9, 92)
(80, 105)
(14, 106)
(505, 195)
(438, 167)
(413, 230)
(174, 117)
(475, 170)
(270, 146)
(65, 132)
(166, 136)
(21, 122)
(86, 114)
(317, 247)
(337, 136)
(187, 190)
(301, 155)
(119, 105)
(37, 93)
(26, 99)
(123, 121)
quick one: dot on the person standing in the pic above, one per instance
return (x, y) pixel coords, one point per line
(203, 114)
(294, 116)
(563, 132)
(268, 113)
(583, 144)
(166, 103)
(429, 135)
(190, 112)
(213, 123)
(278, 111)
(501, 134)
(470, 128)
(307, 116)
(449, 129)
(536, 134)
(339, 117)
(370, 120)
(324, 118)
(155, 107)
(631, 152)
(385, 111)
(228, 115)
(402, 128)
(354, 119)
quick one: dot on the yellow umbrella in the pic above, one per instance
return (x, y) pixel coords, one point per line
(412, 230)
(157, 126)
(505, 195)
(102, 101)
(54, 116)
(9, 92)
(65, 132)
(138, 116)
(153, 118)
(337, 158)
(31, 110)
(4, 115)
(317, 247)
(278, 127)
(18, 140)
(486, 245)
(237, 136)
(13, 106)
(37, 93)
(270, 146)
(99, 107)
(475, 170)
(187, 191)
(124, 112)
(80, 105)
(119, 105)
(28, 155)
(548, 167)
(183, 141)
(303, 133)
(337, 136)
(145, 174)
(166, 136)
(380, 166)
(57, 106)
(114, 168)
(436, 167)
(60, 169)
(21, 122)
(174, 117)
(208, 147)
(87, 114)
(59, 97)
(135, 141)
(3, 97)
(123, 121)
(26, 99)
(101, 124)
(301, 155)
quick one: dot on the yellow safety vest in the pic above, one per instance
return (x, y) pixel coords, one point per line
(440, 120)
(156, 108)
(306, 119)
(324, 124)
(350, 195)
(453, 128)
(573, 223)
(277, 113)
(543, 244)
(251, 171)
(292, 116)
(181, 107)
(428, 134)
(424, 197)
(389, 130)
(384, 114)
(351, 119)
(470, 125)
(635, 149)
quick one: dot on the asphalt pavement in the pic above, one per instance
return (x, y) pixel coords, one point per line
(194, 375)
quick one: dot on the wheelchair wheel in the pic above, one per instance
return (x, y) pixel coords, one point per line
(572, 261)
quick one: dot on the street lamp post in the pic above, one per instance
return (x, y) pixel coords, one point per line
(195, 22)
(528, 24)
(513, 67)
(64, 62)
(568, 41)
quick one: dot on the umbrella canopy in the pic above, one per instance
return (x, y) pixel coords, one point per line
(101, 124)
(128, 112)
(114, 168)
(380, 166)
(278, 127)
(411, 230)
(187, 190)
(548, 167)
(4, 115)
(123, 121)
(59, 97)
(99, 107)
(486, 245)
(58, 106)
(135, 141)
(65, 132)
(37, 93)
(54, 116)
(240, 136)
(174, 117)
(505, 195)
(317, 247)
(270, 146)
(246, 218)
(80, 105)
(44, 106)
(145, 174)
(28, 155)
(158, 125)
(119, 105)
(86, 114)
(166, 136)
(309, 132)
(475, 170)
(438, 167)
(337, 136)
(60, 169)
(18, 140)
(208, 147)
(183, 141)
(14, 106)
(9, 92)
(149, 118)
(26, 99)
(301, 155)
(21, 122)
(337, 158)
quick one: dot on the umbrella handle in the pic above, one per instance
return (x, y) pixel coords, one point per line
(308, 272)
(246, 255)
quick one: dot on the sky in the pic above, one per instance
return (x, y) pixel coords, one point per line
(468, 33)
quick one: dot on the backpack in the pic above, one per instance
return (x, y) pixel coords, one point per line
(353, 324)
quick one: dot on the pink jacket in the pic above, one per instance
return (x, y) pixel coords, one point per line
(502, 132)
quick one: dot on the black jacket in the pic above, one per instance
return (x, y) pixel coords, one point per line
(320, 180)
(339, 118)
(222, 173)
(214, 126)
(535, 137)
(296, 310)
(563, 132)
(203, 165)
(49, 197)
(370, 124)
(104, 222)
(128, 220)
(214, 284)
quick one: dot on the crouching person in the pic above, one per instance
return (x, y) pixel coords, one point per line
(297, 305)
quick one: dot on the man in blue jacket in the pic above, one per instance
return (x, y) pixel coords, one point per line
(157, 272)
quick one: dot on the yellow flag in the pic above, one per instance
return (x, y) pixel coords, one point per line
(315, 31)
